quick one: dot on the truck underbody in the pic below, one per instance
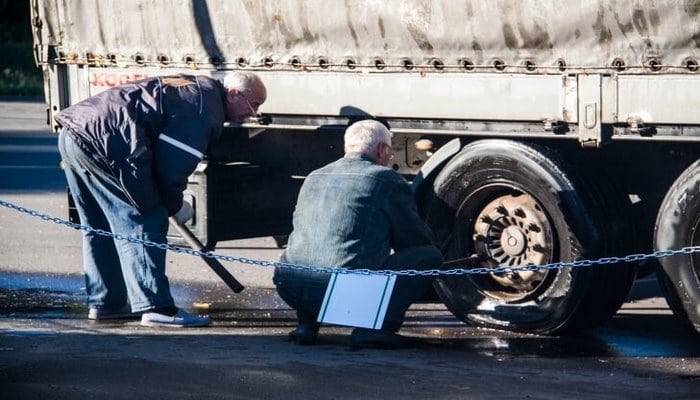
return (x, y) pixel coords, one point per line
(548, 131)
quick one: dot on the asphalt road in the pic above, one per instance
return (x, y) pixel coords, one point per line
(49, 350)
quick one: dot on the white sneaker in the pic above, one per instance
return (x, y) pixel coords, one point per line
(182, 319)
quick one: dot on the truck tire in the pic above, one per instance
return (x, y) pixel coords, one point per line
(678, 226)
(516, 204)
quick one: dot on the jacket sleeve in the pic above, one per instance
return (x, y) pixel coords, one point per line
(179, 148)
(135, 173)
(407, 228)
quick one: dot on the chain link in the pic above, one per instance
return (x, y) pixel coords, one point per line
(407, 272)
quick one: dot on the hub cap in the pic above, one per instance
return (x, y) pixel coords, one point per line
(514, 231)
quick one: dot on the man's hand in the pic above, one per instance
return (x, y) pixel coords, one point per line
(185, 214)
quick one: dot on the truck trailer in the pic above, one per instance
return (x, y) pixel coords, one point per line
(534, 132)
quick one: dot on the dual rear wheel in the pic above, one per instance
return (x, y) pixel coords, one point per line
(678, 226)
(515, 204)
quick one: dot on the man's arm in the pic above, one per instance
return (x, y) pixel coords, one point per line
(179, 148)
(407, 228)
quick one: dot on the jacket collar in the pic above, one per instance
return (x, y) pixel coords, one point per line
(353, 155)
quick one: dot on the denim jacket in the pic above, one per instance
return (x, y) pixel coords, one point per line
(351, 213)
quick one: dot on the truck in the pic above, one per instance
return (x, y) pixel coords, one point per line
(534, 133)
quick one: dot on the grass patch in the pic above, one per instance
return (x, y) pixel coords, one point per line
(19, 76)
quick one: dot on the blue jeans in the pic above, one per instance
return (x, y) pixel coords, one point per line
(304, 290)
(117, 272)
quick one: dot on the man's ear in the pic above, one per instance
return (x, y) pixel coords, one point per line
(377, 154)
(379, 150)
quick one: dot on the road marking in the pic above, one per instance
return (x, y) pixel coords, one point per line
(56, 167)
(16, 148)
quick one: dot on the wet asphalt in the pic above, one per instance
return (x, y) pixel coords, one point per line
(48, 349)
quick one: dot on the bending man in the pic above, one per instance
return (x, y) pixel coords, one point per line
(127, 154)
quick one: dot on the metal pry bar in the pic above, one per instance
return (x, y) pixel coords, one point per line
(213, 263)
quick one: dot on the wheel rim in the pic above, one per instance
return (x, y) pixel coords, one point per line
(508, 229)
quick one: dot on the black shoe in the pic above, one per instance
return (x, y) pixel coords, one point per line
(380, 339)
(304, 334)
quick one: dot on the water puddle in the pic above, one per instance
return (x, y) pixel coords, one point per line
(651, 334)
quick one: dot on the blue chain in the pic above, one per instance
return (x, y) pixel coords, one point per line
(407, 272)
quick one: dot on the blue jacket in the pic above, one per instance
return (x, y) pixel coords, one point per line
(350, 213)
(150, 134)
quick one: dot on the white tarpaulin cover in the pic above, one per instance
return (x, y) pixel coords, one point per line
(581, 33)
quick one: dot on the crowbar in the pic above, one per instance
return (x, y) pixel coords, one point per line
(213, 263)
(459, 262)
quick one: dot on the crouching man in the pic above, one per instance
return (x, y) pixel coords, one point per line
(351, 214)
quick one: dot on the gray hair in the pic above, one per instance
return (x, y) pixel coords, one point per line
(364, 136)
(241, 81)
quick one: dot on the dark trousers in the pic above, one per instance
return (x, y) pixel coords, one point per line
(304, 290)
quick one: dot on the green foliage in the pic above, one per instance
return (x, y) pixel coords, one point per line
(15, 21)
(19, 76)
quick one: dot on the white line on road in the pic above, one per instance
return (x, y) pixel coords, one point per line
(30, 166)
(15, 148)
